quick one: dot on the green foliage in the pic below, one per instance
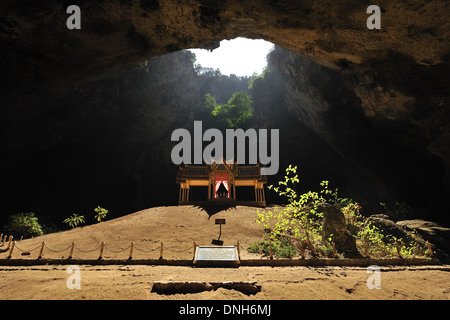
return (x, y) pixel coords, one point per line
(210, 103)
(100, 213)
(23, 224)
(281, 248)
(300, 221)
(235, 112)
(74, 220)
(256, 79)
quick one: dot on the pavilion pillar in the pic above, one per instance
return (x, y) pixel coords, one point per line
(184, 193)
(209, 190)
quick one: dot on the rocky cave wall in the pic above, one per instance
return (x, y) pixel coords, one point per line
(388, 116)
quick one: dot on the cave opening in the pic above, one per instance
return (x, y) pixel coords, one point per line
(240, 57)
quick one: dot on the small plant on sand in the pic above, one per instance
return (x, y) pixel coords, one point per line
(74, 220)
(281, 248)
(100, 213)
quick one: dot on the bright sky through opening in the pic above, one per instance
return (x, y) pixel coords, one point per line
(239, 56)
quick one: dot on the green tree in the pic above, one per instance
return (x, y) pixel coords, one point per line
(210, 102)
(23, 224)
(235, 112)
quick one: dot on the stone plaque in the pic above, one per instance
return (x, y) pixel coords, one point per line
(210, 253)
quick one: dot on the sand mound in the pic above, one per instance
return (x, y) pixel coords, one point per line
(178, 227)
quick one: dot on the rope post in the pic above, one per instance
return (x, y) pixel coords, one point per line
(270, 250)
(429, 249)
(131, 251)
(42, 250)
(1, 237)
(161, 251)
(102, 246)
(4, 240)
(334, 250)
(398, 249)
(71, 250)
(302, 251)
(9, 241)
(238, 250)
(11, 251)
(195, 247)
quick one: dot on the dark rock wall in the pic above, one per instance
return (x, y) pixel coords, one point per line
(106, 143)
(392, 152)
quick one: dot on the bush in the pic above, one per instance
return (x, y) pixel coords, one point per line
(300, 221)
(23, 224)
(280, 248)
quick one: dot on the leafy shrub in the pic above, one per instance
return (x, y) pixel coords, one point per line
(379, 243)
(23, 224)
(280, 248)
(300, 221)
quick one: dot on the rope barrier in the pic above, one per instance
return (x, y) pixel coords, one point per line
(115, 251)
(87, 251)
(57, 251)
(18, 248)
(13, 245)
(146, 251)
(178, 251)
(102, 246)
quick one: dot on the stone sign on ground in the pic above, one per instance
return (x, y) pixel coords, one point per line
(211, 253)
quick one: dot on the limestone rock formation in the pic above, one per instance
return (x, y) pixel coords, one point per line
(335, 226)
(437, 235)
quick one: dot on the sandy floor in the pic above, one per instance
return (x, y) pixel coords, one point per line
(135, 282)
(179, 227)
